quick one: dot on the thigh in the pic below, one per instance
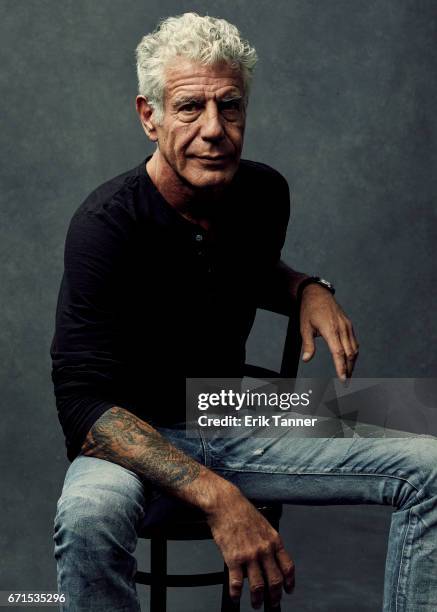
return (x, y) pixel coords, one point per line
(295, 469)
(97, 489)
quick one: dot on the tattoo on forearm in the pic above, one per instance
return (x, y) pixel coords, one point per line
(121, 437)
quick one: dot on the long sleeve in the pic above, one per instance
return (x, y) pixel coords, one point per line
(86, 345)
(278, 282)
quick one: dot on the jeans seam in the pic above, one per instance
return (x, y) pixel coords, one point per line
(400, 564)
(316, 473)
(419, 495)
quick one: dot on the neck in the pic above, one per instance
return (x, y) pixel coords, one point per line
(194, 205)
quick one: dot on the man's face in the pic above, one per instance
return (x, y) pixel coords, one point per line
(201, 135)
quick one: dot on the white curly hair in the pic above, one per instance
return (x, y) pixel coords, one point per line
(203, 39)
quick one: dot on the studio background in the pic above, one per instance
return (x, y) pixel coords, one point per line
(343, 104)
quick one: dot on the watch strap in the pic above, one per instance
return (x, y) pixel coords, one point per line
(314, 280)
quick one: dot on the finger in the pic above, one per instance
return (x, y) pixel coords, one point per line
(256, 584)
(274, 580)
(308, 344)
(353, 339)
(338, 354)
(236, 580)
(349, 352)
(287, 567)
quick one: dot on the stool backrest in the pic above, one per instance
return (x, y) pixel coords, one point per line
(292, 345)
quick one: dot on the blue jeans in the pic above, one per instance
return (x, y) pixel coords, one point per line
(103, 506)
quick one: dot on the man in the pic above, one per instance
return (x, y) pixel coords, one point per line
(164, 267)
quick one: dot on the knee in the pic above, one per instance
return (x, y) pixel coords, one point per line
(89, 517)
(422, 457)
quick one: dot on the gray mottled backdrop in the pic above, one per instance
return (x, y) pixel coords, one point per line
(344, 106)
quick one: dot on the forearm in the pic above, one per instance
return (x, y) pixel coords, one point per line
(289, 279)
(281, 290)
(121, 437)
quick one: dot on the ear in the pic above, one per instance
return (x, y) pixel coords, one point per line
(145, 113)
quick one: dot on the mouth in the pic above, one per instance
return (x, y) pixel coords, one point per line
(213, 159)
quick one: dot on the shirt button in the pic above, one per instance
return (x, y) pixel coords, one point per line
(199, 237)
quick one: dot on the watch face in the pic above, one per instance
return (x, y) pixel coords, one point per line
(319, 281)
(326, 284)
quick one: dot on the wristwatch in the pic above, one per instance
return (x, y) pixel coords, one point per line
(316, 280)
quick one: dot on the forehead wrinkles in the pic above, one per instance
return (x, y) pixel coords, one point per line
(209, 88)
(190, 81)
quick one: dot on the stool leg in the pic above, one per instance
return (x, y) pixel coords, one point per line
(158, 570)
(268, 607)
(227, 604)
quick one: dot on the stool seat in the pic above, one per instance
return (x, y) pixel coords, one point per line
(189, 523)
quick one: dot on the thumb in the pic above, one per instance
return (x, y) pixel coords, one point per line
(308, 344)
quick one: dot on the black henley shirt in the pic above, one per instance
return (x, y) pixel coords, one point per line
(148, 298)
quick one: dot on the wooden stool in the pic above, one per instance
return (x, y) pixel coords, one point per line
(190, 525)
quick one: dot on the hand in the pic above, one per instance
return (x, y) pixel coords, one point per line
(250, 546)
(320, 315)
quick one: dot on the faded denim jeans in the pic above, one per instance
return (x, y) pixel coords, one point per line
(103, 506)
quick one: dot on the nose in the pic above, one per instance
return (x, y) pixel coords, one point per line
(212, 128)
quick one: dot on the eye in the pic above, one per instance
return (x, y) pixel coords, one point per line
(231, 104)
(190, 107)
(230, 108)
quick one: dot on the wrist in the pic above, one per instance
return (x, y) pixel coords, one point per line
(313, 288)
(222, 495)
(311, 283)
